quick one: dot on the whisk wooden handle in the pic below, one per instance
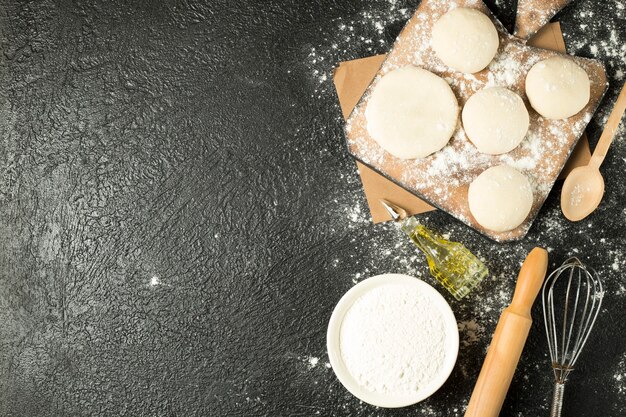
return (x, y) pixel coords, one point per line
(508, 340)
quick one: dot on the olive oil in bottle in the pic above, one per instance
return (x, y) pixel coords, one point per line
(451, 263)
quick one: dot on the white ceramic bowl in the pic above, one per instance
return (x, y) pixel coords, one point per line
(334, 351)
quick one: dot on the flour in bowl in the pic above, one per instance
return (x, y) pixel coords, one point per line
(393, 339)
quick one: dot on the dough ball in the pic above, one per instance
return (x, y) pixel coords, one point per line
(500, 198)
(465, 39)
(495, 120)
(411, 113)
(557, 88)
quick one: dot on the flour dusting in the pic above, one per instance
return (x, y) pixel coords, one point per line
(620, 379)
(604, 39)
(313, 361)
(363, 35)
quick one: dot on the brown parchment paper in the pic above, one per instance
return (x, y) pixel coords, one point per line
(533, 14)
(351, 79)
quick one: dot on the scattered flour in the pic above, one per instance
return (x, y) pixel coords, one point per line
(577, 195)
(363, 35)
(620, 380)
(313, 361)
(604, 39)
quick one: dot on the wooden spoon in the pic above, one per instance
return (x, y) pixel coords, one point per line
(584, 186)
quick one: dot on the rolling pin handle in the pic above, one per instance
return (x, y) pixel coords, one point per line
(530, 280)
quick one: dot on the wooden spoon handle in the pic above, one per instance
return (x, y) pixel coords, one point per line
(609, 130)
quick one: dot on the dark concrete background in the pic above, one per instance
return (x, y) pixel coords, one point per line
(179, 216)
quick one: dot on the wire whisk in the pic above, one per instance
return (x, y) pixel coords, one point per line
(571, 296)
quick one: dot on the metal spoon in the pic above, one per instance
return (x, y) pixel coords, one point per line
(584, 186)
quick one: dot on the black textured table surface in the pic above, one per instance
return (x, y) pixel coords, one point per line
(179, 215)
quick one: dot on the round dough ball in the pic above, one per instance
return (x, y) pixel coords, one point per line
(557, 88)
(500, 198)
(495, 120)
(465, 39)
(411, 113)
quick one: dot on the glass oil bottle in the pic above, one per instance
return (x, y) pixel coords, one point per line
(451, 263)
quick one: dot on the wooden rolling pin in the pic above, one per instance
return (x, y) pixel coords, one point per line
(508, 340)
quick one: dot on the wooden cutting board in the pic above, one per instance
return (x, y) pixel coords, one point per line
(442, 179)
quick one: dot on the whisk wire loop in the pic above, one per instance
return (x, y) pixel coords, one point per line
(567, 332)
